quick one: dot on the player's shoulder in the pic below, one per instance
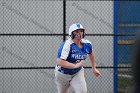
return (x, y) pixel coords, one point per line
(86, 41)
(67, 42)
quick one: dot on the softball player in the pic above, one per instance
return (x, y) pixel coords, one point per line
(69, 70)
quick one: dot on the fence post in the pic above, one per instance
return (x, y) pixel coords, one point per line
(64, 20)
(115, 46)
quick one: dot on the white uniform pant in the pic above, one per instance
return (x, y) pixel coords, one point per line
(76, 81)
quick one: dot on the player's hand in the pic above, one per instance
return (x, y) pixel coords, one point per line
(79, 64)
(97, 72)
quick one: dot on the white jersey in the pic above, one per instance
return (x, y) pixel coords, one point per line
(70, 52)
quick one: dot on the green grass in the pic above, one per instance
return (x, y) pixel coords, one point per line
(124, 84)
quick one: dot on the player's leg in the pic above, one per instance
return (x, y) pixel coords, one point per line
(78, 82)
(61, 88)
(62, 82)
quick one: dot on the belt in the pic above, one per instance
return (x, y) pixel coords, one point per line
(68, 73)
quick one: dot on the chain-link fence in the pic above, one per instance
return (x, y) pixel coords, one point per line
(32, 30)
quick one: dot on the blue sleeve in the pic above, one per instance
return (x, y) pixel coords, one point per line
(60, 50)
(64, 50)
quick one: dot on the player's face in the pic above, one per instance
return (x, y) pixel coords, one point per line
(78, 33)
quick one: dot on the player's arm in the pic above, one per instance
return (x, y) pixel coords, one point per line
(66, 64)
(92, 59)
(93, 64)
